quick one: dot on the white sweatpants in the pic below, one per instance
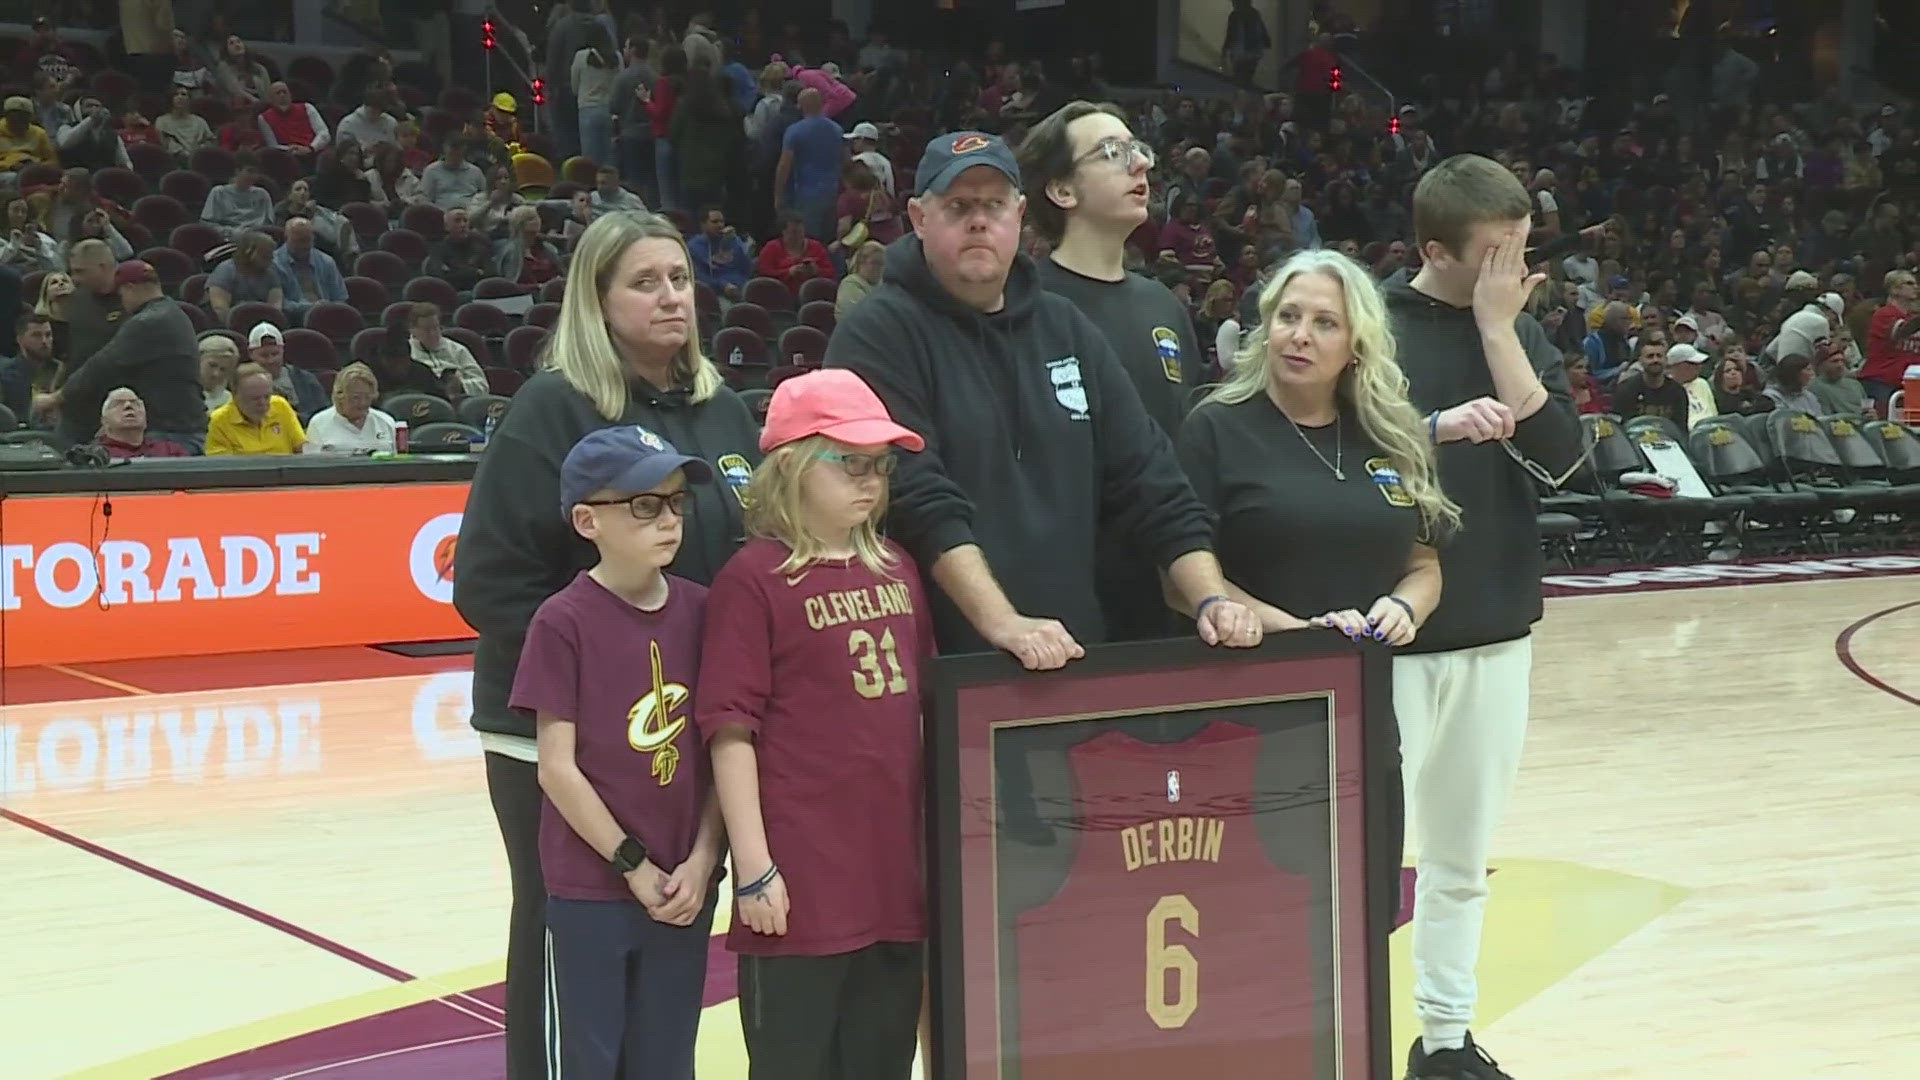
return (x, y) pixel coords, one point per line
(1463, 719)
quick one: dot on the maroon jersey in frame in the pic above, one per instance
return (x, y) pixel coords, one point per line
(1163, 953)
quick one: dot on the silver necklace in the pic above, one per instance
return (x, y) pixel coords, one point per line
(1334, 465)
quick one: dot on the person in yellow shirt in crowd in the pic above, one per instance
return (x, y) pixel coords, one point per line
(23, 142)
(256, 421)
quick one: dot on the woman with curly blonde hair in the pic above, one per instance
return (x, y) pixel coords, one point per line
(1320, 471)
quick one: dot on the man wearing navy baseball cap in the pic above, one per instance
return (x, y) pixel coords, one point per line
(1036, 438)
(621, 463)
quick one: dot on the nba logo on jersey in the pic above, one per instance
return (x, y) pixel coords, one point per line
(1173, 785)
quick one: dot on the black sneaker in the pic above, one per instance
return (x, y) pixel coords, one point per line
(1469, 1062)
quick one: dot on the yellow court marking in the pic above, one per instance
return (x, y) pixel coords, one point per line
(1544, 920)
(272, 1029)
(100, 680)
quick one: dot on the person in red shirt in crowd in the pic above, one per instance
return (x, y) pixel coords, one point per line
(293, 126)
(1186, 236)
(809, 702)
(123, 429)
(1587, 395)
(241, 133)
(44, 53)
(793, 258)
(1893, 339)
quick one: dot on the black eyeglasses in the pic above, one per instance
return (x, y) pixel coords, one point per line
(647, 507)
(858, 465)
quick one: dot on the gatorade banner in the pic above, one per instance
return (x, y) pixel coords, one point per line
(89, 578)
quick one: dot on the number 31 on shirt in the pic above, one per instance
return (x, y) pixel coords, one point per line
(870, 680)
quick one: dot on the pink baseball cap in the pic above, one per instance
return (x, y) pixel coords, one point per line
(835, 403)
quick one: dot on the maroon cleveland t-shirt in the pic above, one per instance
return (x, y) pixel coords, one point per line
(824, 669)
(624, 677)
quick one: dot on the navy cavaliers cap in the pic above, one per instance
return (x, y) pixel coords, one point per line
(626, 460)
(949, 155)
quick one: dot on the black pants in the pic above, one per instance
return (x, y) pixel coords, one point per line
(625, 990)
(514, 787)
(852, 1016)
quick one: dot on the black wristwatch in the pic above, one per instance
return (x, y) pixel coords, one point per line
(628, 856)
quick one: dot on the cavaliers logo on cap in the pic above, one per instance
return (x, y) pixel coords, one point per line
(649, 440)
(967, 144)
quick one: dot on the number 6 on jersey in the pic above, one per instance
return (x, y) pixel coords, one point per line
(1163, 958)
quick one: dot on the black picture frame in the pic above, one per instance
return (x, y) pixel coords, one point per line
(1193, 672)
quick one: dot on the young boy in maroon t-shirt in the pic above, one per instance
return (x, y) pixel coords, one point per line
(628, 812)
(809, 700)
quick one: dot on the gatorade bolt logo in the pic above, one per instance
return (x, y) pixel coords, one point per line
(651, 724)
(967, 144)
(430, 559)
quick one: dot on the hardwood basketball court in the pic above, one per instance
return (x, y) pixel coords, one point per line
(285, 866)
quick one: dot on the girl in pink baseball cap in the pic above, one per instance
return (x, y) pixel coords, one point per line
(809, 701)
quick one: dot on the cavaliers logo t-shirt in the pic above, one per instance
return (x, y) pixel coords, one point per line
(624, 677)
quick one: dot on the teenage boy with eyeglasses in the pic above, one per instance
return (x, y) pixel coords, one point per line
(1087, 186)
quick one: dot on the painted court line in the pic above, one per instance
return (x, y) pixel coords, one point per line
(364, 1058)
(292, 930)
(100, 680)
(1843, 648)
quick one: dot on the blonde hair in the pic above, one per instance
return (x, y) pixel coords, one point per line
(355, 372)
(44, 304)
(582, 349)
(1372, 384)
(776, 509)
(213, 341)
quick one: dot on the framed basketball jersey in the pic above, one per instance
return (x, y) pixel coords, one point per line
(1164, 860)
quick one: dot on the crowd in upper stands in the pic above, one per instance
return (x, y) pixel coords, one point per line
(360, 250)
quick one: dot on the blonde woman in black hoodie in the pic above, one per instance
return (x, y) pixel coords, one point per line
(625, 351)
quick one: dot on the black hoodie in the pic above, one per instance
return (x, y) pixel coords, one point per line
(1028, 417)
(517, 547)
(1491, 568)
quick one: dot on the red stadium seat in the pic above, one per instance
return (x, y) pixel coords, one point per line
(553, 292)
(523, 347)
(338, 323)
(193, 290)
(383, 266)
(768, 293)
(752, 317)
(803, 346)
(368, 220)
(483, 319)
(366, 346)
(495, 288)
(216, 163)
(310, 349)
(407, 244)
(818, 288)
(197, 315)
(429, 221)
(738, 347)
(367, 295)
(151, 162)
(159, 214)
(504, 381)
(195, 239)
(189, 189)
(122, 186)
(244, 317)
(432, 290)
(545, 316)
(819, 315)
(172, 266)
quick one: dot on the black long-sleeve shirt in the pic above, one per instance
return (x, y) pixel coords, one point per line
(1036, 440)
(1492, 566)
